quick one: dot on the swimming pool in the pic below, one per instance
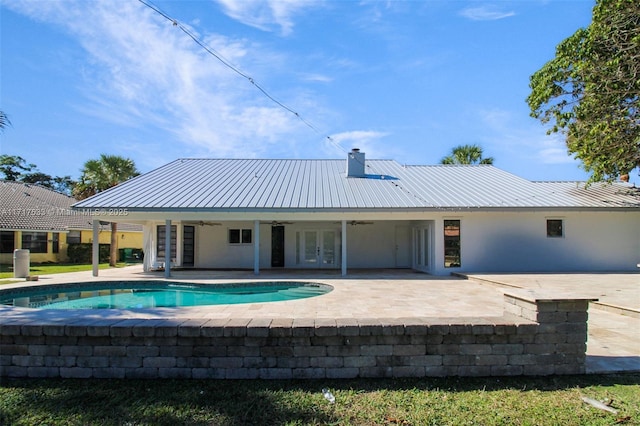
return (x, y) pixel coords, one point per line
(156, 294)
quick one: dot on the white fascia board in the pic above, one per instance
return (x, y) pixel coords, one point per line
(137, 216)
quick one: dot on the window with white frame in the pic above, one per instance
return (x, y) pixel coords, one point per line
(35, 242)
(452, 244)
(240, 236)
(74, 237)
(555, 228)
(161, 231)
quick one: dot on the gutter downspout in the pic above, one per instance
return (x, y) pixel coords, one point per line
(256, 247)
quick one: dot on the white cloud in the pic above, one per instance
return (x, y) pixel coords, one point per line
(319, 78)
(529, 141)
(553, 150)
(141, 70)
(485, 13)
(495, 118)
(265, 14)
(365, 140)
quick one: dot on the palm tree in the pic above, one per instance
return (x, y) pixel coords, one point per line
(466, 154)
(4, 120)
(100, 175)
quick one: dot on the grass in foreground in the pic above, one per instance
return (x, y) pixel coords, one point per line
(446, 401)
(6, 271)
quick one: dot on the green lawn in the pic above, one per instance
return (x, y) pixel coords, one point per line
(429, 401)
(6, 271)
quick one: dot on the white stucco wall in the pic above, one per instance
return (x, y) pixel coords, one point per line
(214, 251)
(510, 242)
(373, 244)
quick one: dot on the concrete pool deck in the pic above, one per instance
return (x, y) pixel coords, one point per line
(613, 343)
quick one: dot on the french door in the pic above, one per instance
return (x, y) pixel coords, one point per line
(319, 248)
(423, 248)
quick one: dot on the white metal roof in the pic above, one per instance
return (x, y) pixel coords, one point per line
(291, 185)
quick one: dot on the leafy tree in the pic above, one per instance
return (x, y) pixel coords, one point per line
(466, 154)
(100, 175)
(590, 91)
(38, 178)
(16, 168)
(62, 184)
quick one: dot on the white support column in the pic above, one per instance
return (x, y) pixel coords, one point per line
(179, 241)
(167, 249)
(146, 247)
(95, 247)
(256, 247)
(343, 242)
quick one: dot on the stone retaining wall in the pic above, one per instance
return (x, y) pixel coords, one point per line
(535, 336)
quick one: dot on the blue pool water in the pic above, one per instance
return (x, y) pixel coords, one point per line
(144, 294)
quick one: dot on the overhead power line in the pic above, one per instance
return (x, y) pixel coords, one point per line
(235, 69)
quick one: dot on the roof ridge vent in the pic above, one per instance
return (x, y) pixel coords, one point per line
(355, 163)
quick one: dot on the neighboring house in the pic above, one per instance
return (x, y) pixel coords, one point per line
(41, 220)
(254, 214)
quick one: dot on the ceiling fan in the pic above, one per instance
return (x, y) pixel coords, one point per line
(357, 222)
(203, 223)
(276, 223)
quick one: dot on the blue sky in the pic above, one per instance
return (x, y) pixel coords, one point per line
(403, 80)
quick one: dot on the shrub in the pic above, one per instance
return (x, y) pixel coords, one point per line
(81, 253)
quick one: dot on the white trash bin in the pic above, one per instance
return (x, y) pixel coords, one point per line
(21, 263)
